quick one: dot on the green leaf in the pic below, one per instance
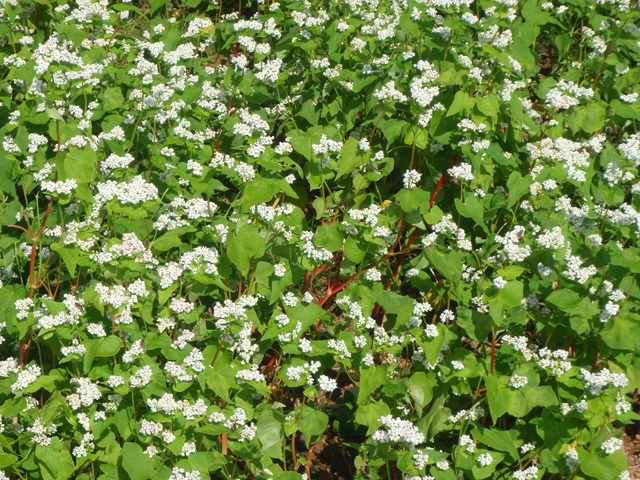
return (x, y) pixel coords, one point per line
(258, 191)
(479, 472)
(108, 346)
(431, 346)
(602, 466)
(421, 390)
(243, 246)
(77, 164)
(313, 424)
(112, 99)
(221, 379)
(371, 378)
(476, 324)
(517, 187)
(414, 199)
(472, 208)
(391, 129)
(460, 102)
(167, 241)
(434, 215)
(527, 398)
(448, 264)
(7, 459)
(137, 465)
(511, 294)
(55, 460)
(498, 439)
(53, 114)
(436, 420)
(497, 395)
(353, 250)
(622, 333)
(270, 431)
(488, 105)
(329, 236)
(68, 254)
(589, 119)
(351, 157)
(369, 415)
(393, 302)
(417, 136)
(564, 298)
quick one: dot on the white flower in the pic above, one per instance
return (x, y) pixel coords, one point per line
(611, 445)
(188, 448)
(461, 172)
(411, 179)
(518, 381)
(398, 430)
(485, 459)
(500, 282)
(431, 331)
(327, 384)
(373, 274)
(280, 269)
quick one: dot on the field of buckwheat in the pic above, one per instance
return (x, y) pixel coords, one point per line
(355, 239)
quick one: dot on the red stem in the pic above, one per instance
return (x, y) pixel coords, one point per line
(442, 181)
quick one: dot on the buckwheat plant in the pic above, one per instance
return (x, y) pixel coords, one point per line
(404, 230)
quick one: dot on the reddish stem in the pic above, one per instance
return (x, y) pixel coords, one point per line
(397, 266)
(337, 278)
(305, 283)
(442, 181)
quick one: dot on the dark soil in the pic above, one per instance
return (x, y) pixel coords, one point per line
(631, 445)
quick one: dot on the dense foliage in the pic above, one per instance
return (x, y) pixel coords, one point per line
(409, 225)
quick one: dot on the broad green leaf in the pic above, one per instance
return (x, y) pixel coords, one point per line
(527, 398)
(243, 246)
(108, 346)
(564, 298)
(392, 129)
(498, 395)
(270, 431)
(53, 114)
(602, 466)
(371, 378)
(498, 439)
(369, 415)
(421, 390)
(313, 423)
(414, 199)
(69, 255)
(137, 465)
(7, 459)
(112, 99)
(417, 136)
(472, 208)
(517, 186)
(590, 118)
(621, 333)
(353, 250)
(447, 264)
(512, 294)
(461, 102)
(55, 460)
(351, 157)
(329, 236)
(77, 164)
